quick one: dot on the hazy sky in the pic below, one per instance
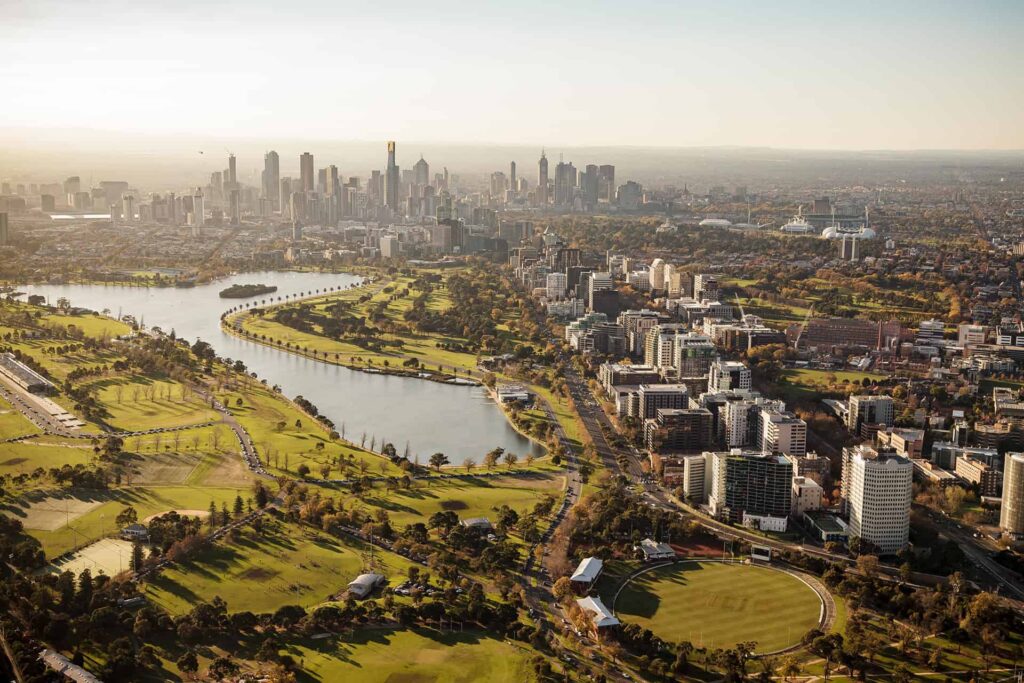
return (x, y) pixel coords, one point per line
(825, 74)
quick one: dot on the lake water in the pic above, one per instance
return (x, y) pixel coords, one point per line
(458, 421)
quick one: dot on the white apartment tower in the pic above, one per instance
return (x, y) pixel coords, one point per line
(878, 486)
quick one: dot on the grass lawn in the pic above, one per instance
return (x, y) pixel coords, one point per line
(414, 656)
(806, 384)
(24, 457)
(262, 411)
(289, 564)
(479, 497)
(98, 521)
(718, 605)
(13, 423)
(137, 402)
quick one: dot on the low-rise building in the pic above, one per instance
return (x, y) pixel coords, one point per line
(906, 442)
(807, 496)
(654, 551)
(601, 617)
(364, 584)
(586, 574)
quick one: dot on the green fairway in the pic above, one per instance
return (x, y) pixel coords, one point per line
(477, 497)
(717, 605)
(24, 457)
(414, 656)
(288, 565)
(137, 402)
(13, 423)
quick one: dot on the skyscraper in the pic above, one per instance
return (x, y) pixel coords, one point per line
(391, 179)
(232, 173)
(542, 180)
(606, 183)
(513, 183)
(421, 172)
(307, 175)
(272, 178)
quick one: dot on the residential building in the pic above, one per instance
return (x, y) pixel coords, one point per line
(869, 409)
(877, 494)
(751, 484)
(614, 374)
(906, 442)
(693, 355)
(807, 496)
(987, 478)
(655, 397)
(728, 374)
(1011, 513)
(556, 286)
(676, 430)
(782, 433)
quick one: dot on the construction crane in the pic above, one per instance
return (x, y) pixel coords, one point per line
(803, 326)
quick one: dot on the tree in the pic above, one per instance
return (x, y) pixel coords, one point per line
(212, 515)
(126, 517)
(492, 457)
(511, 459)
(239, 506)
(790, 666)
(223, 667)
(868, 565)
(438, 460)
(469, 464)
(188, 662)
(137, 559)
(562, 588)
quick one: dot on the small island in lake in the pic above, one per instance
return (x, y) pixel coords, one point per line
(246, 291)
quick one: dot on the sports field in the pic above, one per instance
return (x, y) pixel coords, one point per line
(717, 605)
(109, 556)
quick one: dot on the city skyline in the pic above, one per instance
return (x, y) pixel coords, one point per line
(798, 76)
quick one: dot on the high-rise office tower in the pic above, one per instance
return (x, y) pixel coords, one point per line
(542, 180)
(391, 179)
(198, 209)
(234, 207)
(5, 235)
(565, 183)
(421, 172)
(272, 178)
(513, 182)
(232, 173)
(307, 175)
(284, 193)
(172, 209)
(606, 183)
(590, 182)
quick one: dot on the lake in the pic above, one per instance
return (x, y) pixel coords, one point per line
(459, 421)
